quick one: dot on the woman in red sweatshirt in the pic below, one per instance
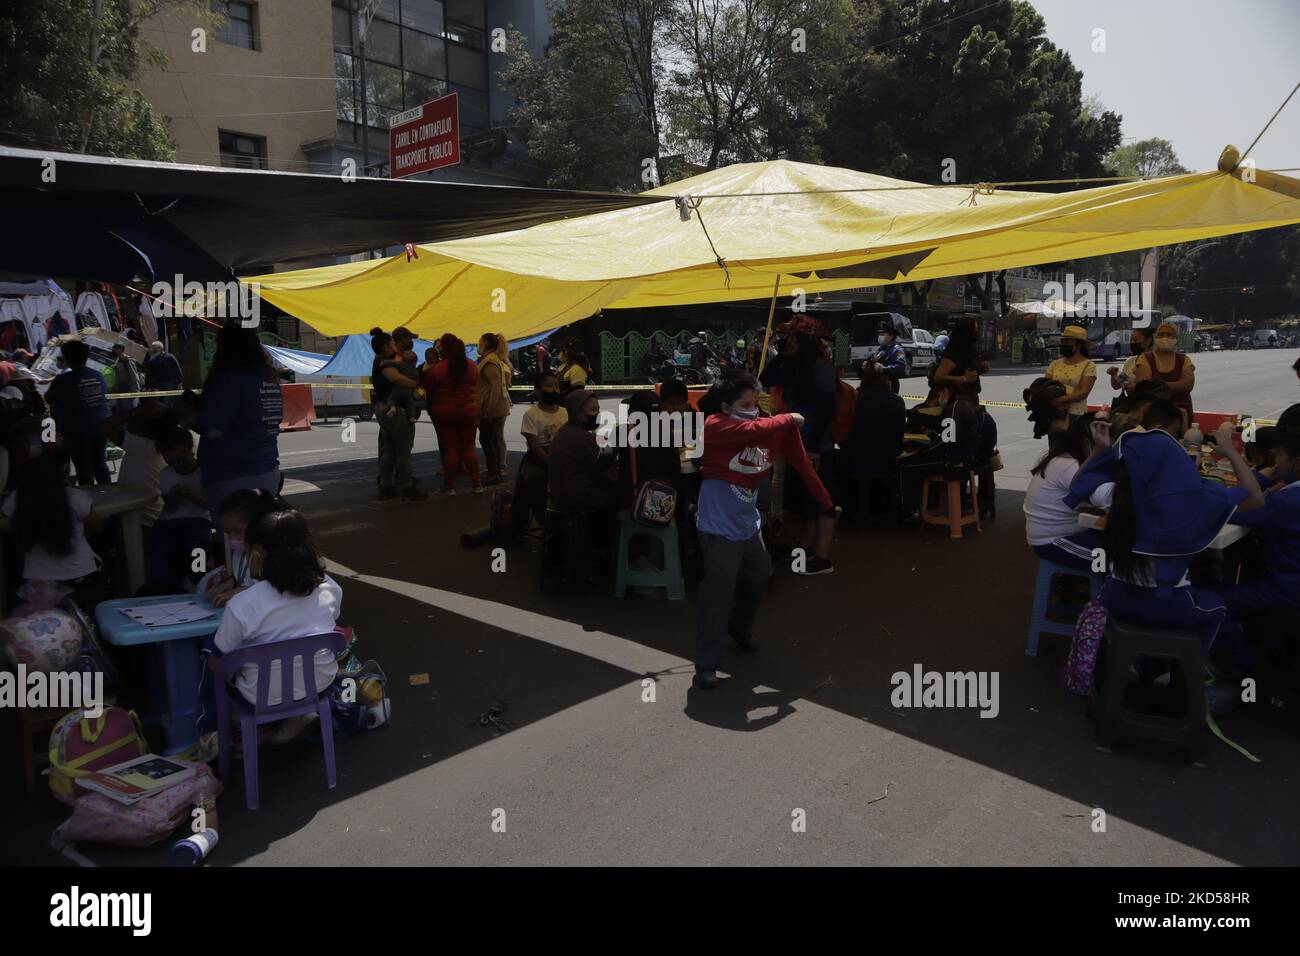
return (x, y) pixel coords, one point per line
(453, 406)
(737, 453)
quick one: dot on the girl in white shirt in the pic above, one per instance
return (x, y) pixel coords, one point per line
(1052, 527)
(292, 597)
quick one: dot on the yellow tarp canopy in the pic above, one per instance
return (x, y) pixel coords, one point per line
(820, 228)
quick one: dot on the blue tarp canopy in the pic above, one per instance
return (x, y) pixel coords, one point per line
(295, 360)
(355, 358)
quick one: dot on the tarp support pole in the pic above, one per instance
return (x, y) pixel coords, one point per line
(767, 335)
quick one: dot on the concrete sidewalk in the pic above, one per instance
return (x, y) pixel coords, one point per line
(590, 771)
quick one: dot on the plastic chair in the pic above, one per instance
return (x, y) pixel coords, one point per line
(1040, 618)
(953, 514)
(1123, 644)
(669, 577)
(252, 716)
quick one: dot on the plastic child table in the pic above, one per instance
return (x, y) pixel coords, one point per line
(175, 668)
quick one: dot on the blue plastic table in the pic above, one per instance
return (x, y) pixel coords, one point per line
(177, 668)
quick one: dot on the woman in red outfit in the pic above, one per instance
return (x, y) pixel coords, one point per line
(453, 406)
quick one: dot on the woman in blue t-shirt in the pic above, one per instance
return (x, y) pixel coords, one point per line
(239, 418)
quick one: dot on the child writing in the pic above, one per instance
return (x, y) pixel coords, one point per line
(292, 597)
(239, 511)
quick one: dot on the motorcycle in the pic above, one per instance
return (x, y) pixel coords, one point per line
(662, 367)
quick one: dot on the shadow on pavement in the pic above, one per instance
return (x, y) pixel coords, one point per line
(898, 597)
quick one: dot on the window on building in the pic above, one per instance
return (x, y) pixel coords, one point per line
(407, 58)
(384, 43)
(239, 28)
(243, 150)
(343, 20)
(469, 12)
(423, 15)
(466, 67)
(422, 89)
(345, 87)
(422, 53)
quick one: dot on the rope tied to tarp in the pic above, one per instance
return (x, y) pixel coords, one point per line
(685, 206)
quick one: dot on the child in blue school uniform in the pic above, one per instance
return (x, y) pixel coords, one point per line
(1277, 522)
(1162, 514)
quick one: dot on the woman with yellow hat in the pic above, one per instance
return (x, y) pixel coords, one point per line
(1076, 372)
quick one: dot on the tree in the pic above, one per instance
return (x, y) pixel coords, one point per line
(66, 76)
(973, 84)
(589, 106)
(1208, 278)
(1145, 158)
(752, 77)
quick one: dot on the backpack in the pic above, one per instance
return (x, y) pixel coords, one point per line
(1038, 398)
(81, 744)
(100, 819)
(1081, 665)
(655, 502)
(844, 411)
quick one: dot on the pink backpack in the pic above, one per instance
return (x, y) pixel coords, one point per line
(80, 744)
(100, 819)
(1082, 662)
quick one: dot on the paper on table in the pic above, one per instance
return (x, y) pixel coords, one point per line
(161, 615)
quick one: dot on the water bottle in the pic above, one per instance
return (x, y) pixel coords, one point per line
(194, 849)
(1193, 440)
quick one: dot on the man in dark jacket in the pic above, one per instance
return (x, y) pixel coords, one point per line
(78, 400)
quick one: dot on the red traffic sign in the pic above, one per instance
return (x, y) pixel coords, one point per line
(424, 138)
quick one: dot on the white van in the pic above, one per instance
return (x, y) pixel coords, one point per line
(1265, 339)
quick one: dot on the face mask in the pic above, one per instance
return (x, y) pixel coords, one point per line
(1166, 344)
(1135, 348)
(1068, 349)
(550, 398)
(745, 414)
(591, 422)
(883, 340)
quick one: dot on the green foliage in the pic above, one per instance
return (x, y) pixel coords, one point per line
(586, 108)
(1147, 157)
(66, 76)
(986, 90)
(1205, 279)
(752, 78)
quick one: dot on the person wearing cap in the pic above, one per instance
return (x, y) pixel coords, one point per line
(890, 357)
(1076, 372)
(1174, 368)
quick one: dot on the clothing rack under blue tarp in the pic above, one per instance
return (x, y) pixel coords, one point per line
(355, 358)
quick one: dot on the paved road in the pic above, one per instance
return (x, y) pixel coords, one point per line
(590, 769)
(1259, 383)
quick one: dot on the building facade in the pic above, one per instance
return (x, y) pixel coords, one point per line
(277, 84)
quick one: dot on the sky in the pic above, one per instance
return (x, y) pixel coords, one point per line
(1199, 73)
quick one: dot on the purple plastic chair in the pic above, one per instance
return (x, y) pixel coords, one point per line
(252, 716)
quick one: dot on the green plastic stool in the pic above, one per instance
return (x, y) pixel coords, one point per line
(669, 578)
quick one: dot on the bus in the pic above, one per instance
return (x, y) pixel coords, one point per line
(1108, 334)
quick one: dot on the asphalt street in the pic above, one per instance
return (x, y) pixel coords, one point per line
(604, 754)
